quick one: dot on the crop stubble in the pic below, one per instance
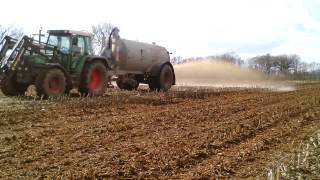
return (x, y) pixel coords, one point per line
(180, 134)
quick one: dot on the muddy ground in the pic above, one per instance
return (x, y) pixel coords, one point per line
(180, 134)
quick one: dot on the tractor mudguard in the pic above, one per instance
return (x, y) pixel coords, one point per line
(106, 61)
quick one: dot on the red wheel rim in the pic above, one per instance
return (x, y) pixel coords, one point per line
(54, 85)
(96, 79)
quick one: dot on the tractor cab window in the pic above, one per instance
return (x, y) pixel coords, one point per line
(89, 46)
(62, 42)
(81, 45)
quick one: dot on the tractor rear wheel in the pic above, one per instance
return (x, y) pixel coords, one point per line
(10, 87)
(94, 79)
(51, 83)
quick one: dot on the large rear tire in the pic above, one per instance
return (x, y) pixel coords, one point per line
(51, 83)
(10, 87)
(164, 81)
(93, 79)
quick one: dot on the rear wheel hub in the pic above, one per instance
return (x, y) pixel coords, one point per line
(96, 79)
(54, 85)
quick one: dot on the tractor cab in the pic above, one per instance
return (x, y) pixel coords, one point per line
(68, 41)
(72, 45)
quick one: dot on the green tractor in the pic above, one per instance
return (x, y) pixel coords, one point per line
(64, 62)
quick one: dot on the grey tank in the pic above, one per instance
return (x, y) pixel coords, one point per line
(136, 57)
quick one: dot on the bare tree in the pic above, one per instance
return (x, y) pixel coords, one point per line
(229, 57)
(285, 64)
(176, 60)
(10, 31)
(100, 34)
(262, 63)
(313, 67)
(295, 60)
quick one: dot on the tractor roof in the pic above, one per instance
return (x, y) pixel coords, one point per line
(69, 32)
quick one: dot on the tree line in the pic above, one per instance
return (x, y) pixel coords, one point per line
(230, 57)
(282, 66)
(289, 66)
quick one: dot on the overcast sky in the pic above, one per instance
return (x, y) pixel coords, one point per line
(187, 28)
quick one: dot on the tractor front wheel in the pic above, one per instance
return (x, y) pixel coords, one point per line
(10, 87)
(51, 83)
(94, 79)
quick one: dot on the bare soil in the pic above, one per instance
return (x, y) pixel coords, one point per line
(181, 134)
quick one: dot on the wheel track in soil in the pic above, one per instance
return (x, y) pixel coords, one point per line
(248, 136)
(244, 135)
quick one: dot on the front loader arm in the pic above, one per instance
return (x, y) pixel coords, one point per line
(24, 44)
(5, 44)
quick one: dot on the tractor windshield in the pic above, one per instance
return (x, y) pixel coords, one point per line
(62, 42)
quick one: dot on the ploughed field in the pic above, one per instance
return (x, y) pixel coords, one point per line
(185, 133)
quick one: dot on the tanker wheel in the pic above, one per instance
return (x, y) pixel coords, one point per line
(51, 83)
(164, 81)
(130, 84)
(10, 87)
(136, 86)
(154, 84)
(166, 77)
(120, 83)
(94, 79)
